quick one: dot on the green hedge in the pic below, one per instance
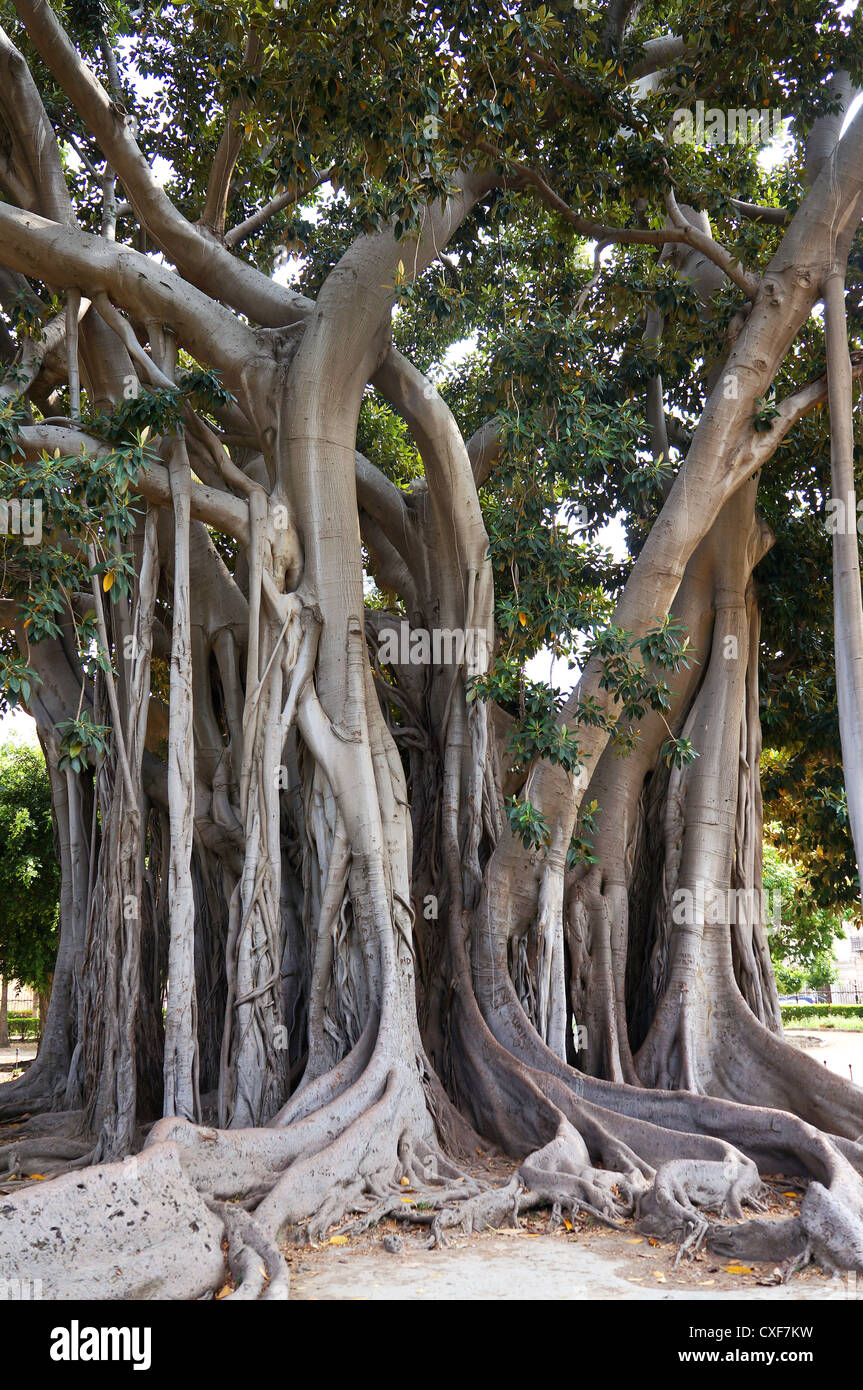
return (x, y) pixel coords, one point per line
(799, 1013)
(23, 1026)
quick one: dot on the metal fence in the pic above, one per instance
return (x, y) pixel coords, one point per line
(834, 994)
(843, 994)
(24, 1004)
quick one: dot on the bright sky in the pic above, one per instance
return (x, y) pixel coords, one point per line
(18, 727)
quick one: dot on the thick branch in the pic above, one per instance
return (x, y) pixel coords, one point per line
(200, 258)
(219, 509)
(680, 231)
(76, 260)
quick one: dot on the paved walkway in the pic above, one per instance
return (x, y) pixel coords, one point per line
(839, 1052)
(16, 1052)
(523, 1265)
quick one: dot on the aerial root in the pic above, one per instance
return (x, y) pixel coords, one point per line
(692, 1243)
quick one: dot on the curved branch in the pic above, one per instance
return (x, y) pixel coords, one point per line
(32, 136)
(200, 259)
(484, 450)
(386, 504)
(680, 231)
(77, 260)
(658, 53)
(219, 509)
(391, 571)
(230, 145)
(754, 212)
(761, 446)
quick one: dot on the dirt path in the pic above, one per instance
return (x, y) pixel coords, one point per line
(840, 1052)
(533, 1265)
(588, 1262)
(12, 1056)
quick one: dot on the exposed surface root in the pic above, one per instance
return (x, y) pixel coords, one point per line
(255, 1261)
(674, 1161)
(672, 1207)
(20, 1159)
(561, 1174)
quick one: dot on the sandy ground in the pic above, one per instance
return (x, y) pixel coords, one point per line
(17, 1052)
(840, 1052)
(588, 1263)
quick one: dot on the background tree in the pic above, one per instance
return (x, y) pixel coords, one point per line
(331, 912)
(802, 949)
(29, 872)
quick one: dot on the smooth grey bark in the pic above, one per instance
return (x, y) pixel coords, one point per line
(181, 1014)
(284, 820)
(847, 599)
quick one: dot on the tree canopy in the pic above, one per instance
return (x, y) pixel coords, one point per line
(339, 345)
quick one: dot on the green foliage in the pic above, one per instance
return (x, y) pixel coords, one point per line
(25, 1027)
(29, 872)
(849, 1016)
(528, 824)
(789, 980)
(81, 736)
(389, 102)
(87, 508)
(763, 419)
(580, 849)
(802, 949)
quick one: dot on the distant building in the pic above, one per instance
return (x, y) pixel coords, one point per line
(849, 959)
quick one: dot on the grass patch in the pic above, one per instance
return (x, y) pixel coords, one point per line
(824, 1019)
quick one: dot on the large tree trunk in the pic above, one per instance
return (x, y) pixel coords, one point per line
(308, 865)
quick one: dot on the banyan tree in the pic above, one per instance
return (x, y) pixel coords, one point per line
(335, 342)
